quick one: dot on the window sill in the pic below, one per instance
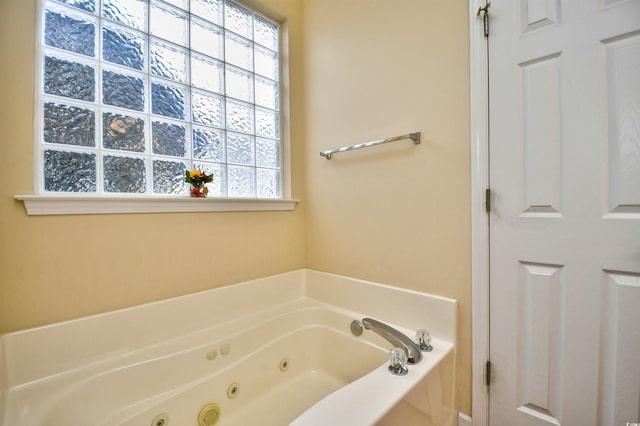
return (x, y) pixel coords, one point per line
(66, 205)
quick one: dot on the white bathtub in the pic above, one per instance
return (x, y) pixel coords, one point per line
(273, 351)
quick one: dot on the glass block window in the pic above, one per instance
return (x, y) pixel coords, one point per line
(134, 92)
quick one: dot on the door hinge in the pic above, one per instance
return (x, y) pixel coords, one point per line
(487, 200)
(487, 380)
(484, 11)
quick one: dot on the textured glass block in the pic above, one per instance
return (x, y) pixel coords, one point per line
(124, 174)
(168, 100)
(132, 13)
(207, 109)
(239, 116)
(267, 123)
(169, 23)
(168, 177)
(238, 19)
(209, 144)
(207, 73)
(241, 181)
(266, 63)
(267, 93)
(267, 153)
(69, 125)
(238, 51)
(124, 91)
(122, 132)
(70, 32)
(265, 33)
(123, 47)
(169, 139)
(206, 38)
(239, 84)
(86, 5)
(69, 171)
(168, 61)
(218, 187)
(211, 10)
(240, 149)
(267, 183)
(182, 4)
(69, 79)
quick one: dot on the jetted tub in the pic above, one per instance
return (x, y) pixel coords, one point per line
(273, 351)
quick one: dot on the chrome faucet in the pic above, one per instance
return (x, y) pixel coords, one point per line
(396, 338)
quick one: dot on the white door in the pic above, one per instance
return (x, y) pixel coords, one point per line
(565, 213)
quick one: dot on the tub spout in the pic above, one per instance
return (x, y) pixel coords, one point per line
(394, 337)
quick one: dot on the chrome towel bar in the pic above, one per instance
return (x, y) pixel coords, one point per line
(415, 137)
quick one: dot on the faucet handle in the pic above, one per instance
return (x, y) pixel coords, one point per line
(423, 339)
(398, 361)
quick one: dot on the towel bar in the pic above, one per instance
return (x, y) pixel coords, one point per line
(415, 137)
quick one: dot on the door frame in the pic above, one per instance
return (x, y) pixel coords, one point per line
(479, 116)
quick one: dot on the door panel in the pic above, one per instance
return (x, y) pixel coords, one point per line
(565, 218)
(623, 85)
(620, 346)
(542, 144)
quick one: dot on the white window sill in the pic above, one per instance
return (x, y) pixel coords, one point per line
(73, 204)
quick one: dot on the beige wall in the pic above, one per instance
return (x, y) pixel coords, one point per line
(56, 268)
(398, 213)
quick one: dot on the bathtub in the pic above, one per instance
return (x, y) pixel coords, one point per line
(272, 351)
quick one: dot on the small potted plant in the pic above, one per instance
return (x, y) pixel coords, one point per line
(197, 179)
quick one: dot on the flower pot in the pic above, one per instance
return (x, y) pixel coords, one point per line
(199, 191)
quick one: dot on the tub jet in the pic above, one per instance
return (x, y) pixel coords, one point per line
(160, 420)
(284, 364)
(233, 390)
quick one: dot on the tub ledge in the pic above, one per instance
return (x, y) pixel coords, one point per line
(366, 400)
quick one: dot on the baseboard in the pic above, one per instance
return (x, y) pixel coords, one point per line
(464, 419)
